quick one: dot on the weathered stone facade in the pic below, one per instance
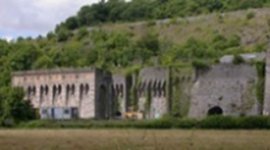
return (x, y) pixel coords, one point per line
(87, 90)
(121, 85)
(226, 87)
(223, 88)
(152, 100)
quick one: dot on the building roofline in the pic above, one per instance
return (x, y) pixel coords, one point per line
(55, 71)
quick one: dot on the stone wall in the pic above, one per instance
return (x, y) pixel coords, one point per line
(152, 92)
(120, 90)
(228, 87)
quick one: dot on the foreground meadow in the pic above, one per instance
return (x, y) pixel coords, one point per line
(133, 139)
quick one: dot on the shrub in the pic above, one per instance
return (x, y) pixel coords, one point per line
(83, 32)
(14, 108)
(173, 21)
(200, 65)
(151, 23)
(237, 59)
(63, 35)
(217, 122)
(250, 15)
(158, 124)
(253, 123)
(186, 123)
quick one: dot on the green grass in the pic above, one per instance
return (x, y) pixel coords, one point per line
(123, 139)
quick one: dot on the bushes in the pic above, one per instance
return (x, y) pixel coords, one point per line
(237, 59)
(200, 65)
(63, 35)
(250, 15)
(217, 122)
(186, 123)
(13, 107)
(213, 122)
(253, 123)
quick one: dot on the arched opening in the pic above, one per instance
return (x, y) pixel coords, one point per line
(34, 90)
(81, 91)
(118, 114)
(154, 89)
(149, 89)
(54, 91)
(59, 89)
(86, 89)
(46, 90)
(164, 92)
(215, 111)
(29, 91)
(68, 88)
(117, 90)
(41, 93)
(159, 88)
(72, 89)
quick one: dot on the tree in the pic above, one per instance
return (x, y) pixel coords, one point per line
(63, 35)
(43, 62)
(23, 55)
(82, 33)
(14, 107)
(71, 23)
(150, 42)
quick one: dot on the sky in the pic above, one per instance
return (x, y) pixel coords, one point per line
(35, 17)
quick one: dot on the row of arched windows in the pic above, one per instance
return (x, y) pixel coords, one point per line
(118, 90)
(31, 91)
(70, 89)
(57, 90)
(156, 89)
(84, 90)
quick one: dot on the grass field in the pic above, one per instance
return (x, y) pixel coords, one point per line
(134, 139)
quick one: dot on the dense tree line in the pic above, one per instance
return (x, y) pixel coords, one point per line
(121, 11)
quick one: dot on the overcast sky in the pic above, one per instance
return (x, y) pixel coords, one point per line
(35, 17)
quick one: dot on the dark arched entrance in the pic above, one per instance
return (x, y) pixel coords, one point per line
(215, 111)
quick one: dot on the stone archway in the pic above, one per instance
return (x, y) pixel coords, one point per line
(215, 111)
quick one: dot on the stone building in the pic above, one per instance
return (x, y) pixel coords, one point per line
(68, 93)
(225, 89)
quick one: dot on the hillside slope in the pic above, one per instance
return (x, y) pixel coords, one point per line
(252, 26)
